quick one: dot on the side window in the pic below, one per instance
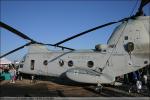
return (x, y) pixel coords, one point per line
(90, 64)
(70, 63)
(126, 38)
(61, 62)
(21, 66)
(32, 64)
(45, 62)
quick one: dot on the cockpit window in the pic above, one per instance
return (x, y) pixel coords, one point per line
(23, 59)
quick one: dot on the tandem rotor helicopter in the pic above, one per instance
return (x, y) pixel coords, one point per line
(127, 50)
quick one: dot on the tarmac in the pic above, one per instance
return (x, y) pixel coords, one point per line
(44, 88)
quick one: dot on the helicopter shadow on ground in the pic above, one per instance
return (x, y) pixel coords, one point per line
(107, 91)
(62, 80)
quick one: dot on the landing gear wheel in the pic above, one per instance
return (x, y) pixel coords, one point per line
(98, 89)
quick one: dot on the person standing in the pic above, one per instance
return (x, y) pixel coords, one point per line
(145, 79)
(12, 72)
(1, 71)
(136, 83)
(139, 86)
(19, 75)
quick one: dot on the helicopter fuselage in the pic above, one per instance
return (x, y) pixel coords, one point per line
(127, 51)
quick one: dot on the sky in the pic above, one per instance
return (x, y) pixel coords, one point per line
(50, 21)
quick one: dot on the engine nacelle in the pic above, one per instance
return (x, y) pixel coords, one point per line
(101, 47)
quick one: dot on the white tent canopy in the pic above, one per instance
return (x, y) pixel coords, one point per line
(4, 61)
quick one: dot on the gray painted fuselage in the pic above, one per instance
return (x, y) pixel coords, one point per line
(114, 60)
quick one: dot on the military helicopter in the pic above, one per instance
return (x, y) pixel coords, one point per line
(127, 50)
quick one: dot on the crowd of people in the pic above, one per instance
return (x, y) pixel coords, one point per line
(9, 73)
(137, 79)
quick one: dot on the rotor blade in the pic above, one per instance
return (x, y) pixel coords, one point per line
(90, 30)
(143, 3)
(58, 46)
(5, 26)
(65, 48)
(25, 36)
(21, 47)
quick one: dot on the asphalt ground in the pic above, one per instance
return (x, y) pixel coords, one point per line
(46, 88)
